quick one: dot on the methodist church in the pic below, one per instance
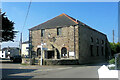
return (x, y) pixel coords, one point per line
(68, 41)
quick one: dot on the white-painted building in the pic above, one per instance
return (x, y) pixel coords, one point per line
(25, 50)
(9, 52)
(2, 54)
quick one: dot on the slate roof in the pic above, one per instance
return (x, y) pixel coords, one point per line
(59, 21)
(62, 20)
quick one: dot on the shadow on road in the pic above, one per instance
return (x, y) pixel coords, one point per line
(83, 65)
(8, 62)
(8, 74)
(97, 64)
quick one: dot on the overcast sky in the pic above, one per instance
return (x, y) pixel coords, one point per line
(102, 16)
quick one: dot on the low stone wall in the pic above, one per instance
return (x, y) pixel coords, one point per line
(92, 61)
(25, 60)
(60, 62)
(36, 61)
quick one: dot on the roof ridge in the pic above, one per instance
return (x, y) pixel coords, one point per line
(55, 17)
(70, 18)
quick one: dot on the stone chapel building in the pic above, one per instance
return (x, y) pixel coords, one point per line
(68, 41)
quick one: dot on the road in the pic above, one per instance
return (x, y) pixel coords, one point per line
(16, 70)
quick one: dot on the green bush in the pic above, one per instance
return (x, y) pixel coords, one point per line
(112, 61)
(111, 68)
(115, 48)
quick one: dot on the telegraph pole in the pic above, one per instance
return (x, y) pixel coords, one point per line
(113, 35)
(20, 44)
(119, 21)
(30, 47)
(0, 29)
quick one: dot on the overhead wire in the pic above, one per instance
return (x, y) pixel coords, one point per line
(20, 44)
(26, 16)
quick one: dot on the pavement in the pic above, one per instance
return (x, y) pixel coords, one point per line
(16, 70)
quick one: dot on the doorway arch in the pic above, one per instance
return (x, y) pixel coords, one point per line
(64, 52)
(39, 52)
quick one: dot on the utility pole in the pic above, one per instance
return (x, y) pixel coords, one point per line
(30, 42)
(0, 29)
(119, 21)
(113, 35)
(20, 44)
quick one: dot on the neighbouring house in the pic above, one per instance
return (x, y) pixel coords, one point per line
(8, 52)
(2, 54)
(68, 41)
(25, 48)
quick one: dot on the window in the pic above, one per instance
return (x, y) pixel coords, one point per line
(59, 31)
(91, 39)
(64, 52)
(102, 51)
(42, 32)
(50, 54)
(102, 42)
(97, 41)
(8, 50)
(91, 50)
(97, 50)
(39, 52)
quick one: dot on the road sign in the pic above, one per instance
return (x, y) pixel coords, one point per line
(39, 46)
(44, 48)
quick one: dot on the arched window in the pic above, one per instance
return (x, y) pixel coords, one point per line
(91, 50)
(39, 52)
(64, 52)
(102, 51)
(97, 50)
(97, 41)
(102, 42)
(91, 39)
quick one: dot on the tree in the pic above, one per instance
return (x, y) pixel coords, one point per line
(8, 33)
(118, 47)
(115, 48)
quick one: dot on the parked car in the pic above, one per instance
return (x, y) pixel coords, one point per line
(17, 58)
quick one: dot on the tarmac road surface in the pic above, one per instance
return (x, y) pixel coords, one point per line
(16, 70)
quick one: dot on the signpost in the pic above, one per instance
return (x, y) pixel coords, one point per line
(41, 46)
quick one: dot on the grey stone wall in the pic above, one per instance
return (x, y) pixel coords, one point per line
(25, 60)
(85, 34)
(76, 39)
(60, 62)
(64, 40)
